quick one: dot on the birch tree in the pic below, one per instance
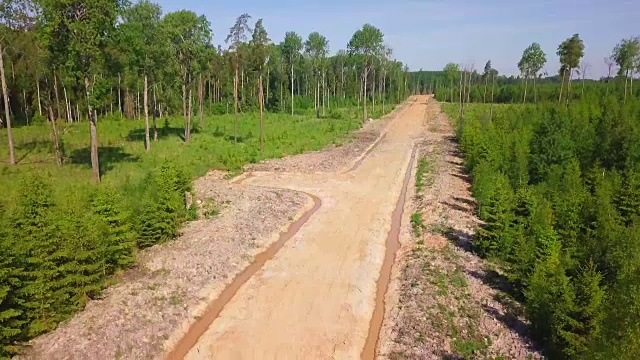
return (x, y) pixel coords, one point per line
(367, 43)
(236, 38)
(260, 47)
(291, 47)
(145, 44)
(80, 33)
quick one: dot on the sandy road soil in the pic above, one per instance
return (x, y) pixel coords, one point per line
(153, 305)
(444, 301)
(316, 297)
(173, 282)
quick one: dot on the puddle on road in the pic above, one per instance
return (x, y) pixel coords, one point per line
(197, 329)
(392, 246)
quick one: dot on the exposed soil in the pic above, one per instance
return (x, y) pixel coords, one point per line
(137, 318)
(316, 297)
(444, 301)
(333, 158)
(153, 305)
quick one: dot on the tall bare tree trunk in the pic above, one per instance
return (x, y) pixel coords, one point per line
(260, 95)
(626, 81)
(184, 107)
(526, 81)
(235, 106)
(569, 86)
(317, 98)
(484, 96)
(137, 107)
(462, 85)
(266, 98)
(344, 91)
(493, 85)
(119, 96)
(201, 101)
(364, 95)
(67, 104)
(190, 109)
(535, 90)
(5, 96)
(54, 135)
(384, 89)
(95, 164)
(147, 138)
(55, 90)
(373, 91)
(564, 72)
(242, 89)
(323, 92)
(451, 86)
(291, 88)
(38, 95)
(26, 107)
(469, 87)
(155, 106)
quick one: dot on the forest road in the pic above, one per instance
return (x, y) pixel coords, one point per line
(315, 298)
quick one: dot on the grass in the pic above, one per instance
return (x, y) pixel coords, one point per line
(417, 225)
(424, 169)
(124, 161)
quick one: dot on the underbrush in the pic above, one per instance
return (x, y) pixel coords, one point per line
(62, 237)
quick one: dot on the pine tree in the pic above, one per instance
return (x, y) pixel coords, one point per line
(550, 301)
(83, 270)
(495, 236)
(588, 313)
(165, 209)
(628, 198)
(10, 311)
(41, 254)
(117, 242)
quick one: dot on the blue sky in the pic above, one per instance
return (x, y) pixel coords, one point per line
(430, 33)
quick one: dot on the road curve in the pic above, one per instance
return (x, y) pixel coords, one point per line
(315, 298)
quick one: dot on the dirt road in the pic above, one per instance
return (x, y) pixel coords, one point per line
(315, 298)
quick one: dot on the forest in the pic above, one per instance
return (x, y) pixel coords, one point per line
(110, 109)
(556, 176)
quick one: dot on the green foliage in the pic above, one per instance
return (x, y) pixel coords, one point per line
(557, 191)
(164, 210)
(421, 174)
(117, 242)
(417, 225)
(10, 311)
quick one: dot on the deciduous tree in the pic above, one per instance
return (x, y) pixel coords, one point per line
(236, 38)
(367, 43)
(291, 47)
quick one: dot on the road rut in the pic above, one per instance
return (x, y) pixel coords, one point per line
(316, 296)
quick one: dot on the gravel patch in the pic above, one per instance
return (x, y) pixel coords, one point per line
(138, 317)
(333, 158)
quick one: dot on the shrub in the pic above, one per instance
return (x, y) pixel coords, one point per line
(164, 210)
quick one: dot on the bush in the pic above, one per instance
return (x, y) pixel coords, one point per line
(117, 243)
(164, 210)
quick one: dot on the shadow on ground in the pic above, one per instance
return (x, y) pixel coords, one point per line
(109, 156)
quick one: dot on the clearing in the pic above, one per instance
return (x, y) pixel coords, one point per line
(301, 263)
(316, 297)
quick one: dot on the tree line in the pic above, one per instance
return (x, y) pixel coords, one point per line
(463, 83)
(557, 187)
(104, 63)
(78, 60)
